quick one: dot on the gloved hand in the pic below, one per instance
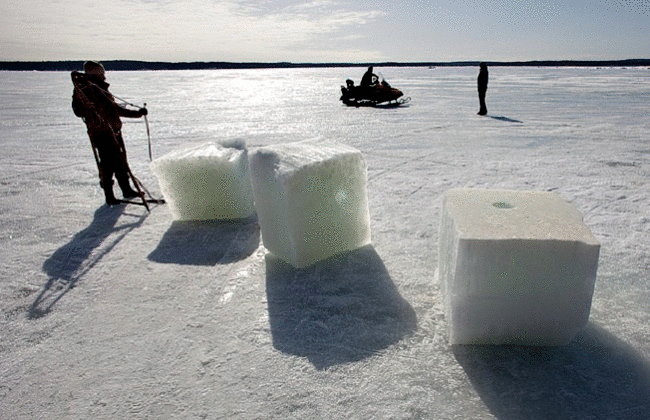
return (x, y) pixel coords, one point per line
(143, 112)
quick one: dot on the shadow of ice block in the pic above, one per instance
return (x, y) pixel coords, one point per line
(208, 181)
(515, 267)
(311, 200)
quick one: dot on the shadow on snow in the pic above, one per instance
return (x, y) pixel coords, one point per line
(68, 264)
(595, 376)
(208, 242)
(337, 311)
(505, 119)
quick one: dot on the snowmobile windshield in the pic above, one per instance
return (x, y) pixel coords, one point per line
(382, 81)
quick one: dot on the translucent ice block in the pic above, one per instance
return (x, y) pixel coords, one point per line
(208, 181)
(311, 200)
(515, 267)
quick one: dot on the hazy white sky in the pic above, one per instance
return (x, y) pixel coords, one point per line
(323, 30)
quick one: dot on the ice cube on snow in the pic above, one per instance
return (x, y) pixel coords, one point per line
(515, 267)
(206, 181)
(311, 199)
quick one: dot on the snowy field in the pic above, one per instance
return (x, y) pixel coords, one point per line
(116, 313)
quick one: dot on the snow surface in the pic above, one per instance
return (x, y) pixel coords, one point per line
(118, 313)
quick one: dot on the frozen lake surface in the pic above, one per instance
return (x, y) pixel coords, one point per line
(120, 313)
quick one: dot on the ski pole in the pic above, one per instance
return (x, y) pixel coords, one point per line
(146, 122)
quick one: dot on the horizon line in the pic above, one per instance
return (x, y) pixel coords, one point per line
(68, 65)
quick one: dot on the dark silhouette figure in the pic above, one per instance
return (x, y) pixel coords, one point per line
(369, 78)
(92, 102)
(482, 83)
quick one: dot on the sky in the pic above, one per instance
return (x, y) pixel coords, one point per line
(324, 30)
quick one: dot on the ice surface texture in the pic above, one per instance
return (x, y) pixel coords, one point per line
(515, 267)
(208, 181)
(311, 200)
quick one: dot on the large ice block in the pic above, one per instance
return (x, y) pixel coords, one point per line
(515, 267)
(207, 181)
(311, 200)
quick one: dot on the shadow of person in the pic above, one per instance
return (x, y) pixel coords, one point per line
(337, 311)
(207, 242)
(596, 376)
(68, 264)
(505, 119)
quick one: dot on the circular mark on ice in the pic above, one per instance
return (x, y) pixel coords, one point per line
(503, 205)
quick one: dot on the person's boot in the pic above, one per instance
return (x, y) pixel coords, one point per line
(107, 186)
(127, 191)
(130, 193)
(110, 198)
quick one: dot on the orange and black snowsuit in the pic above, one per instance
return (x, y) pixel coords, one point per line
(96, 106)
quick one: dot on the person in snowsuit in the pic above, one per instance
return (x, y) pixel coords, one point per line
(482, 82)
(348, 92)
(369, 78)
(92, 102)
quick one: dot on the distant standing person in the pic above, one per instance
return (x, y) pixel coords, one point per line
(482, 83)
(92, 102)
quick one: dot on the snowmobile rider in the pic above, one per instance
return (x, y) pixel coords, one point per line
(482, 83)
(348, 92)
(369, 78)
(92, 102)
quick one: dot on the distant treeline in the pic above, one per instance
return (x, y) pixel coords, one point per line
(215, 65)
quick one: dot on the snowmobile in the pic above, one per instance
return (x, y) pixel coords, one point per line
(379, 94)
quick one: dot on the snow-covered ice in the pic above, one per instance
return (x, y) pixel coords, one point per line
(118, 313)
(311, 199)
(515, 267)
(206, 181)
